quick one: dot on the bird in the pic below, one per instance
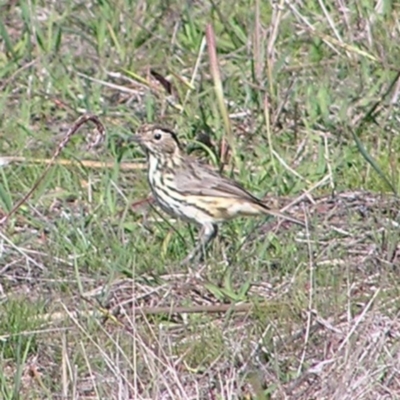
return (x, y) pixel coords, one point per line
(193, 191)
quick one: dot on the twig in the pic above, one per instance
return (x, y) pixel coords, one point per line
(78, 123)
(154, 310)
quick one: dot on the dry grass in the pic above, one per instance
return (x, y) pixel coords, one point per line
(301, 101)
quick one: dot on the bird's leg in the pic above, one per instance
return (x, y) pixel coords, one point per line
(207, 234)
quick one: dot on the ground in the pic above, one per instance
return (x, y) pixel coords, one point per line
(298, 102)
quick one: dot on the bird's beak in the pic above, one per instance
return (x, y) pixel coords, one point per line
(135, 139)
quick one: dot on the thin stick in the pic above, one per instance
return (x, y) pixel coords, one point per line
(215, 73)
(78, 123)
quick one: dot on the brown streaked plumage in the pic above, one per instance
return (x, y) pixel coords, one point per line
(192, 191)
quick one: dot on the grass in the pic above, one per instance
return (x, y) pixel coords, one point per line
(298, 102)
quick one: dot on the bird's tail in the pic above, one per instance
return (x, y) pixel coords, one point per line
(278, 214)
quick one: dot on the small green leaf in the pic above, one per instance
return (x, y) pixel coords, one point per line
(371, 161)
(216, 291)
(5, 197)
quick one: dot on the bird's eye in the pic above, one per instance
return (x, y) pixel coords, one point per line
(157, 136)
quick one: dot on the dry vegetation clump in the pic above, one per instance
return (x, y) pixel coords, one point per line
(297, 100)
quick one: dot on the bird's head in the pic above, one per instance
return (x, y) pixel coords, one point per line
(157, 141)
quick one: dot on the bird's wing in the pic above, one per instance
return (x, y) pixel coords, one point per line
(200, 180)
(196, 179)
